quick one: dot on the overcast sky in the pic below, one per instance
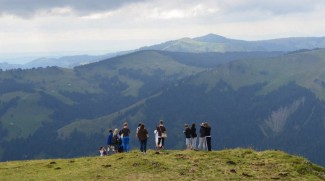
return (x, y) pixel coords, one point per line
(96, 26)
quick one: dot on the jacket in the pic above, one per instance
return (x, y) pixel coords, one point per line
(193, 132)
(202, 131)
(109, 138)
(187, 133)
(142, 134)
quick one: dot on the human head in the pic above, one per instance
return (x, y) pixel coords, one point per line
(193, 124)
(186, 125)
(110, 130)
(115, 131)
(142, 126)
(125, 124)
(161, 122)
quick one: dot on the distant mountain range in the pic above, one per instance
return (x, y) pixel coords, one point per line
(216, 43)
(207, 43)
(258, 99)
(64, 62)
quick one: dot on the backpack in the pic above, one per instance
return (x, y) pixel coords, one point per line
(116, 140)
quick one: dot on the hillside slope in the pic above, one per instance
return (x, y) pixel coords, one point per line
(236, 164)
(216, 43)
(272, 103)
(36, 103)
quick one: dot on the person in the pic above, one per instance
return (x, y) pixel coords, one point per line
(139, 125)
(156, 136)
(143, 137)
(202, 141)
(125, 132)
(116, 141)
(102, 151)
(110, 147)
(208, 135)
(162, 134)
(193, 136)
(187, 133)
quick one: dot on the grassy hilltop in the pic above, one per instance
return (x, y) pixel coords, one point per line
(234, 164)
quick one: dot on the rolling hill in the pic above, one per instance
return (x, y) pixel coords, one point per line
(263, 100)
(217, 43)
(266, 103)
(39, 105)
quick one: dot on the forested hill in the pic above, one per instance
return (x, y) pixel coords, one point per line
(264, 100)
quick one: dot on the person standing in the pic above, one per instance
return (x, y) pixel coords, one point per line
(193, 136)
(187, 133)
(143, 137)
(139, 125)
(110, 146)
(116, 141)
(162, 134)
(208, 135)
(156, 137)
(125, 132)
(202, 140)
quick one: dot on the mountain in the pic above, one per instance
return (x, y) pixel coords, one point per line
(216, 43)
(262, 100)
(63, 62)
(6, 66)
(236, 164)
(203, 44)
(264, 103)
(39, 105)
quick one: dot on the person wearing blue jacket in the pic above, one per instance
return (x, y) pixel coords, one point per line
(110, 146)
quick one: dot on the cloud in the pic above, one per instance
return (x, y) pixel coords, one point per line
(74, 25)
(271, 6)
(28, 8)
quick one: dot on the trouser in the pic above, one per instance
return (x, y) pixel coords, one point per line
(202, 143)
(161, 142)
(125, 143)
(143, 145)
(194, 142)
(208, 139)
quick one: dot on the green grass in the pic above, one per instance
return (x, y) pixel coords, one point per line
(25, 118)
(235, 164)
(305, 69)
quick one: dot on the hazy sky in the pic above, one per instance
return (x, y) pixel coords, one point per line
(91, 26)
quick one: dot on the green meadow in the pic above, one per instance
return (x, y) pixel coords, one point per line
(232, 164)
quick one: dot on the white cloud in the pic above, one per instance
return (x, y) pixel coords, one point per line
(128, 25)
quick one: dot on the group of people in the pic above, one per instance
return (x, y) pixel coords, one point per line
(191, 137)
(118, 140)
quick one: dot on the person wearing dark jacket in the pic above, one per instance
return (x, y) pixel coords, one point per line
(125, 132)
(202, 141)
(193, 136)
(143, 137)
(110, 146)
(187, 133)
(162, 134)
(208, 135)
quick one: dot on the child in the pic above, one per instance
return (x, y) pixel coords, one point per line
(102, 151)
(187, 133)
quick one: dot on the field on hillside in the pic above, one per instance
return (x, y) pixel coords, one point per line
(235, 164)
